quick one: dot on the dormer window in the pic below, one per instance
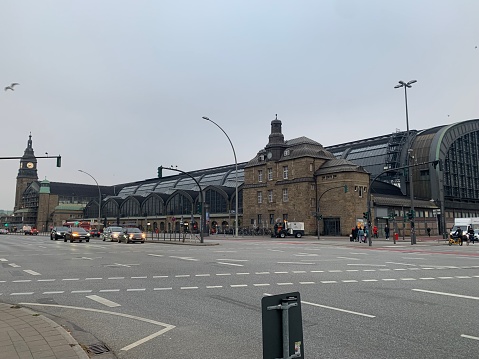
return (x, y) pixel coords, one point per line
(261, 157)
(286, 153)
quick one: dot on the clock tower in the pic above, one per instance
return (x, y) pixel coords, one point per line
(27, 173)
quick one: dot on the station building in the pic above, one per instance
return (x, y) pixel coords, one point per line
(298, 179)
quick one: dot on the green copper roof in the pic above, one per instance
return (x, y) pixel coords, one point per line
(70, 207)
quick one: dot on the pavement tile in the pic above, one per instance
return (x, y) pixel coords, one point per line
(25, 355)
(48, 354)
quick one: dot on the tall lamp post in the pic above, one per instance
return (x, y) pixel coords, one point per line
(407, 85)
(99, 196)
(236, 174)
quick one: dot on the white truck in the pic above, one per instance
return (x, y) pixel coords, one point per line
(288, 229)
(464, 223)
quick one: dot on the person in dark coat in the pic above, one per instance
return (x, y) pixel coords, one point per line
(386, 232)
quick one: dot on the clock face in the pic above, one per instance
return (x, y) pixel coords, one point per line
(269, 155)
(30, 165)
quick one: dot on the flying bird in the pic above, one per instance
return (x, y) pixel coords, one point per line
(11, 86)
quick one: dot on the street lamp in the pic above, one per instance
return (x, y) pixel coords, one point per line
(99, 196)
(236, 174)
(407, 85)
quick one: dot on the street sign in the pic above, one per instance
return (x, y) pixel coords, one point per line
(282, 326)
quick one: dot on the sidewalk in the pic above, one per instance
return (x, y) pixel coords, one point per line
(25, 334)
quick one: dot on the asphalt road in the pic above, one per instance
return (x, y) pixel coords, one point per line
(176, 301)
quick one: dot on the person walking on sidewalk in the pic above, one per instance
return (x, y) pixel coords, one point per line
(428, 230)
(470, 233)
(361, 234)
(386, 232)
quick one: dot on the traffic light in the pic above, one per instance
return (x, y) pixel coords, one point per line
(366, 215)
(198, 208)
(160, 172)
(410, 215)
(59, 161)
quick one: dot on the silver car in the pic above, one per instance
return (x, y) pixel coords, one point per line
(132, 235)
(111, 233)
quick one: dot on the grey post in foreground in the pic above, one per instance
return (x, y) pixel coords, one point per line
(99, 196)
(236, 174)
(407, 85)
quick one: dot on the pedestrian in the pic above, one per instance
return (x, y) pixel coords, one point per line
(386, 232)
(428, 231)
(375, 232)
(361, 234)
(458, 235)
(470, 233)
(352, 236)
(366, 234)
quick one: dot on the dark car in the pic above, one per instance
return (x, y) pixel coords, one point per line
(77, 234)
(58, 232)
(131, 235)
(94, 233)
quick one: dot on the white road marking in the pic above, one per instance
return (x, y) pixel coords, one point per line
(369, 270)
(21, 281)
(280, 272)
(32, 272)
(46, 280)
(407, 278)
(306, 282)
(333, 308)
(136, 290)
(238, 285)
(261, 284)
(167, 328)
(261, 273)
(445, 277)
(315, 271)
(296, 263)
(389, 279)
(403, 264)
(352, 259)
(108, 290)
(328, 281)
(156, 255)
(116, 277)
(349, 281)
(384, 269)
(143, 277)
(168, 288)
(366, 264)
(426, 278)
(202, 275)
(93, 278)
(306, 255)
(369, 280)
(242, 273)
(160, 276)
(66, 279)
(14, 265)
(469, 337)
(462, 276)
(182, 275)
(295, 271)
(399, 269)
(188, 287)
(232, 260)
(287, 283)
(25, 293)
(220, 274)
(54, 292)
(80, 291)
(3, 260)
(231, 264)
(185, 258)
(446, 294)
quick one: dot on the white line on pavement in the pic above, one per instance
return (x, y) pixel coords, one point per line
(296, 263)
(128, 347)
(202, 275)
(238, 285)
(136, 290)
(214, 286)
(71, 279)
(287, 283)
(31, 272)
(108, 290)
(168, 288)
(188, 287)
(232, 260)
(93, 278)
(219, 274)
(14, 265)
(156, 255)
(21, 281)
(469, 337)
(352, 259)
(366, 264)
(231, 264)
(54, 292)
(25, 293)
(185, 258)
(446, 294)
(46, 280)
(403, 264)
(333, 308)
(3, 260)
(81, 291)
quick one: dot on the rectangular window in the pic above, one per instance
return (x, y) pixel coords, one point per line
(260, 175)
(260, 197)
(260, 219)
(310, 167)
(270, 196)
(360, 188)
(285, 172)
(285, 195)
(270, 174)
(271, 218)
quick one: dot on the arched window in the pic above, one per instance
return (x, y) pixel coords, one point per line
(216, 201)
(110, 209)
(178, 204)
(153, 206)
(130, 208)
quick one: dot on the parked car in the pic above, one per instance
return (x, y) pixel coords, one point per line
(112, 233)
(3, 231)
(132, 235)
(476, 235)
(58, 232)
(94, 233)
(76, 234)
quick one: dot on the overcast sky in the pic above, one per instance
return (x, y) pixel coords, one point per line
(118, 88)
